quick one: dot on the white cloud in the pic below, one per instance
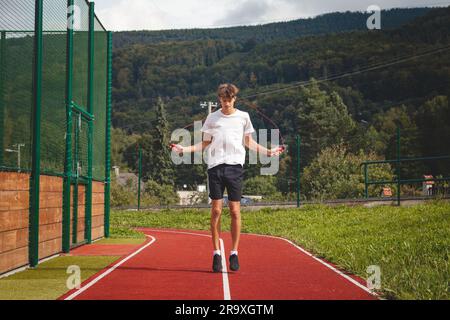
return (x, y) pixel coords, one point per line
(177, 14)
(132, 15)
(244, 12)
(314, 8)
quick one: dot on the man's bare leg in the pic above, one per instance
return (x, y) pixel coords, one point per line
(216, 212)
(235, 212)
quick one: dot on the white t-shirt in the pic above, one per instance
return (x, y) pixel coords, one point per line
(227, 133)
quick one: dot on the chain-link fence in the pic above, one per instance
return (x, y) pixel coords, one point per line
(55, 68)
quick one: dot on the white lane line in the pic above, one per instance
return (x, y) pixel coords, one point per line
(104, 274)
(302, 250)
(226, 284)
(319, 260)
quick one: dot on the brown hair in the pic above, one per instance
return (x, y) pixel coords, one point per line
(227, 90)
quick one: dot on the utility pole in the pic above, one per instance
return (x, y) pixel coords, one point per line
(210, 105)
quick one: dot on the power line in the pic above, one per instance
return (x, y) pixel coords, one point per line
(353, 73)
(367, 68)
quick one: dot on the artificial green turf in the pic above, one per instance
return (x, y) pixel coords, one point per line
(48, 280)
(411, 245)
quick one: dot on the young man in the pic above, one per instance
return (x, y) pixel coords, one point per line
(226, 131)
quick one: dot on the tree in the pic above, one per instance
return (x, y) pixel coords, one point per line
(260, 185)
(163, 172)
(120, 142)
(323, 121)
(164, 194)
(337, 174)
(387, 124)
(433, 120)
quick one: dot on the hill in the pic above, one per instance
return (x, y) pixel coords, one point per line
(248, 35)
(350, 87)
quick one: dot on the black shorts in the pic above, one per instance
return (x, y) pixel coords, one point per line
(228, 176)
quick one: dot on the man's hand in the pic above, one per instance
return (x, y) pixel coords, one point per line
(176, 148)
(276, 151)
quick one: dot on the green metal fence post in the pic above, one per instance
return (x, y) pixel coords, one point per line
(68, 162)
(75, 211)
(398, 166)
(366, 186)
(75, 186)
(139, 178)
(2, 90)
(88, 221)
(108, 135)
(33, 246)
(298, 171)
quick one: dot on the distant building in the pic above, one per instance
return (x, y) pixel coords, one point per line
(116, 171)
(129, 180)
(386, 192)
(427, 186)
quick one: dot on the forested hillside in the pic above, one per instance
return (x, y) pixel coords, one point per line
(349, 88)
(249, 35)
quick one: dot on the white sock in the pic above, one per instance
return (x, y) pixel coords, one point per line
(216, 252)
(233, 252)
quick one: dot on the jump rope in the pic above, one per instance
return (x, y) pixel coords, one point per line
(282, 147)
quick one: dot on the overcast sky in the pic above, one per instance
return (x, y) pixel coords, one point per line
(120, 15)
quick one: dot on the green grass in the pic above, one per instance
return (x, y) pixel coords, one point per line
(122, 233)
(48, 280)
(410, 244)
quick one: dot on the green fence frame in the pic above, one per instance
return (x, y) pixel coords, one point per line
(69, 176)
(68, 162)
(33, 245)
(298, 170)
(398, 181)
(139, 177)
(88, 216)
(2, 91)
(108, 135)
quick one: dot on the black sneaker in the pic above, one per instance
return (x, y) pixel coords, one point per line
(217, 263)
(234, 262)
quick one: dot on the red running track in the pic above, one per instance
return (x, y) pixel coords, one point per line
(176, 265)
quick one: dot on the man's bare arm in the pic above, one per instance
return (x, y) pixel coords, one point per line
(197, 147)
(190, 149)
(254, 146)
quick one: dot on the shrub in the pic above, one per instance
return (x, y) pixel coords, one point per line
(264, 186)
(338, 174)
(122, 196)
(161, 194)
